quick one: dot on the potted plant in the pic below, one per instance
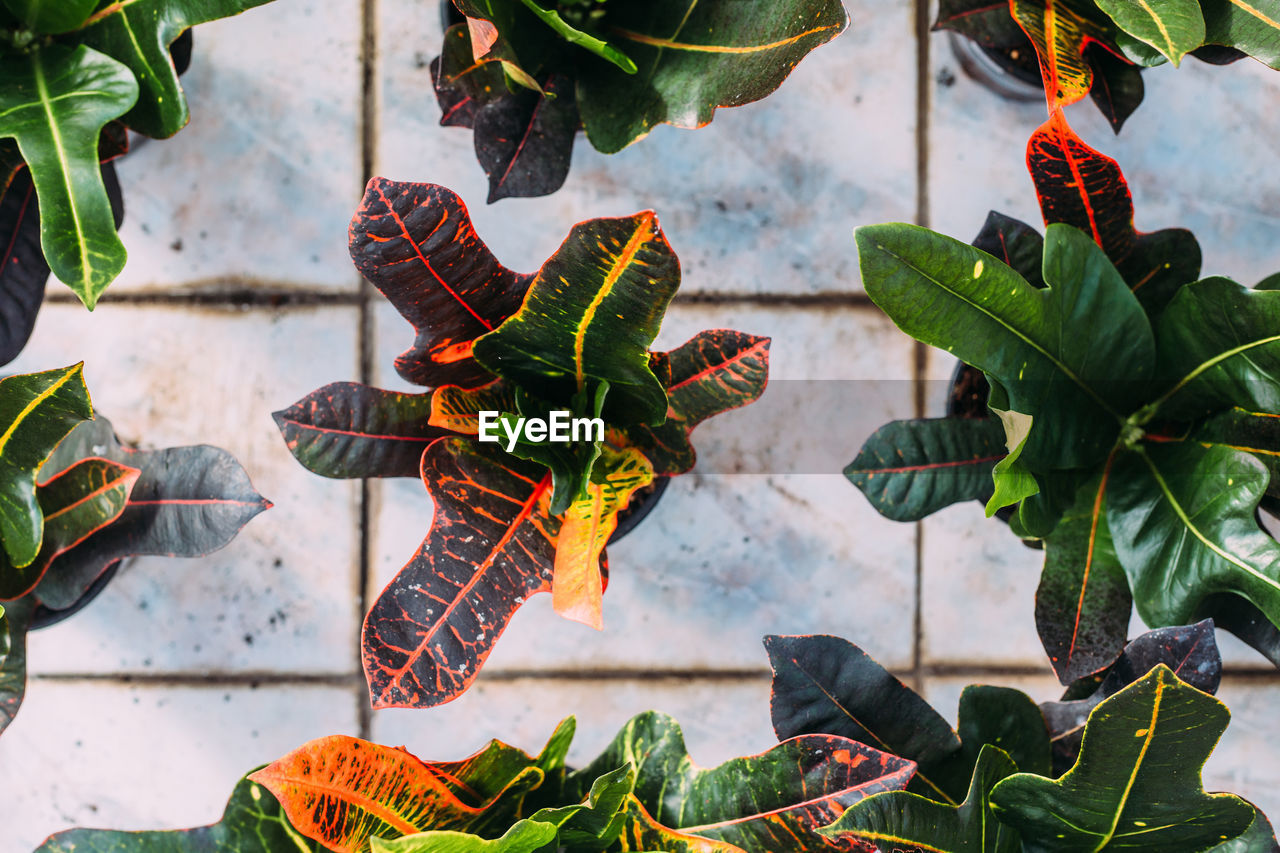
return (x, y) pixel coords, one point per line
(525, 75)
(75, 77)
(77, 503)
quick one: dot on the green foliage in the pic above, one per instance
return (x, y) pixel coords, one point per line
(67, 69)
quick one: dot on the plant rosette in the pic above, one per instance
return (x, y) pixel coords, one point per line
(75, 76)
(508, 355)
(77, 503)
(526, 75)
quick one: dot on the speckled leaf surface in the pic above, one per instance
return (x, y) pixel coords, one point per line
(13, 667)
(416, 244)
(1060, 31)
(491, 546)
(347, 430)
(524, 139)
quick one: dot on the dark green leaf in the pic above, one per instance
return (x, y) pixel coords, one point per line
(902, 820)
(1253, 27)
(524, 139)
(252, 823)
(986, 22)
(1083, 603)
(954, 296)
(1013, 242)
(188, 502)
(1258, 838)
(600, 48)
(55, 102)
(1173, 27)
(13, 667)
(772, 801)
(1136, 785)
(58, 16)
(139, 34)
(911, 469)
(1117, 86)
(1005, 718)
(1256, 433)
(1159, 265)
(464, 85)
(1243, 618)
(694, 58)
(37, 410)
(827, 685)
(591, 313)
(346, 429)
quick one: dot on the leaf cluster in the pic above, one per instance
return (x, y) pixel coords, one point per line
(1115, 765)
(74, 75)
(75, 502)
(525, 75)
(574, 336)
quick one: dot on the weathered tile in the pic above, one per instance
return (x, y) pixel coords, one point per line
(761, 201)
(727, 557)
(721, 718)
(978, 591)
(1244, 762)
(148, 757)
(281, 596)
(258, 189)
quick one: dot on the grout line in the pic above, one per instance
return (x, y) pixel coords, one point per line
(919, 351)
(368, 153)
(824, 299)
(210, 679)
(240, 294)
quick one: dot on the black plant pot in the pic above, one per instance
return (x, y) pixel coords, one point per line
(640, 506)
(43, 617)
(1011, 73)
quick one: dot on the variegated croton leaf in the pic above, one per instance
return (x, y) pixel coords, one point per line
(68, 70)
(515, 514)
(526, 74)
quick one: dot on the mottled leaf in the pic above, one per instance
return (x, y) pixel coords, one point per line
(591, 313)
(911, 469)
(346, 429)
(187, 502)
(55, 103)
(491, 546)
(416, 244)
(713, 372)
(772, 801)
(695, 57)
(1060, 31)
(37, 410)
(902, 820)
(139, 34)
(524, 140)
(252, 823)
(458, 409)
(76, 503)
(1136, 785)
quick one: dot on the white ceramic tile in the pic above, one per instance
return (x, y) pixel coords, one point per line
(721, 719)
(978, 598)
(258, 189)
(148, 757)
(761, 201)
(281, 596)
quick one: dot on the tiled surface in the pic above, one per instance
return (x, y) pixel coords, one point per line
(765, 536)
(148, 757)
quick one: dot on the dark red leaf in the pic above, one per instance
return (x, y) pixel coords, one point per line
(416, 244)
(524, 139)
(491, 546)
(1117, 85)
(462, 84)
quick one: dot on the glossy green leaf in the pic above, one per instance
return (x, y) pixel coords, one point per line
(600, 48)
(1083, 603)
(1012, 481)
(695, 57)
(773, 801)
(55, 102)
(138, 34)
(37, 410)
(1186, 512)
(1005, 718)
(1173, 27)
(252, 823)
(1252, 26)
(76, 503)
(51, 16)
(1219, 346)
(591, 313)
(911, 469)
(525, 836)
(13, 666)
(1136, 785)
(1258, 838)
(951, 295)
(1256, 433)
(902, 820)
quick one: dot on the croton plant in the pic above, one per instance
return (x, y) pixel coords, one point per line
(75, 77)
(1099, 47)
(526, 75)
(513, 517)
(864, 764)
(74, 503)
